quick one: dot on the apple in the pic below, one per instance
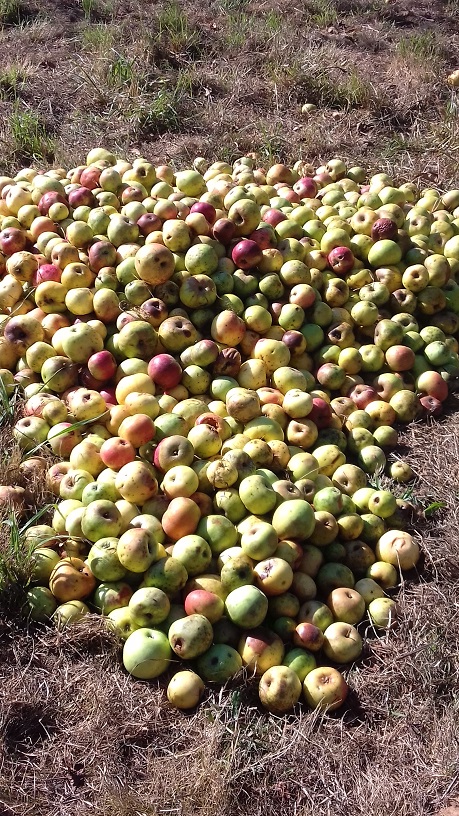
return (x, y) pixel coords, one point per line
(347, 605)
(341, 260)
(257, 495)
(137, 549)
(398, 548)
(279, 689)
(185, 690)
(70, 612)
(246, 254)
(41, 603)
(325, 688)
(71, 580)
(149, 606)
(260, 649)
(258, 538)
(164, 371)
(101, 519)
(219, 663)
(273, 576)
(136, 483)
(383, 612)
(104, 562)
(237, 571)
(42, 562)
(301, 661)
(191, 636)
(167, 574)
(146, 653)
(294, 519)
(246, 606)
(342, 643)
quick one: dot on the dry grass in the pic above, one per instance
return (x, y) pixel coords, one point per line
(171, 80)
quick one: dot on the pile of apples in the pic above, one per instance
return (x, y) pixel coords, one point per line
(218, 357)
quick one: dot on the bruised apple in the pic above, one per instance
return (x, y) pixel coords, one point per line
(71, 580)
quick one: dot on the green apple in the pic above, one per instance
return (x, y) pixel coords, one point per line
(294, 520)
(301, 661)
(257, 495)
(342, 643)
(259, 539)
(194, 552)
(219, 663)
(325, 688)
(104, 562)
(383, 612)
(42, 562)
(70, 612)
(41, 603)
(191, 636)
(146, 653)
(247, 606)
(167, 574)
(218, 531)
(149, 606)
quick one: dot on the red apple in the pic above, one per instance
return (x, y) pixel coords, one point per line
(46, 272)
(49, 198)
(308, 636)
(362, 394)
(133, 194)
(207, 210)
(432, 384)
(223, 230)
(12, 240)
(246, 254)
(149, 222)
(273, 217)
(154, 311)
(302, 295)
(102, 365)
(264, 237)
(323, 179)
(117, 452)
(108, 394)
(384, 228)
(306, 187)
(341, 260)
(321, 413)
(165, 371)
(85, 378)
(431, 406)
(101, 253)
(90, 177)
(81, 197)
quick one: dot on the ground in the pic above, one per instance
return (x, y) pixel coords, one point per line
(172, 81)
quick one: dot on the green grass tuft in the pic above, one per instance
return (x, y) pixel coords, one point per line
(420, 46)
(11, 12)
(120, 71)
(174, 28)
(99, 36)
(30, 138)
(161, 114)
(12, 79)
(323, 13)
